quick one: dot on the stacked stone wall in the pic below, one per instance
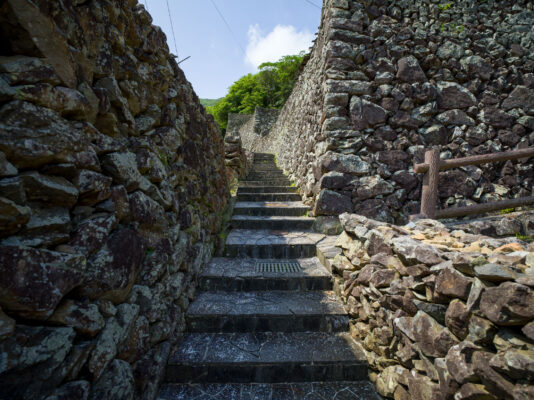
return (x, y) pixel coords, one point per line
(441, 314)
(112, 190)
(388, 79)
(254, 129)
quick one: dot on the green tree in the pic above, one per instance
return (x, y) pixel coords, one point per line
(269, 88)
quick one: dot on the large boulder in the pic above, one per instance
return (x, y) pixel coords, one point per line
(112, 271)
(366, 114)
(33, 281)
(332, 203)
(117, 382)
(349, 164)
(433, 339)
(52, 190)
(12, 216)
(409, 70)
(84, 318)
(31, 136)
(453, 95)
(508, 304)
(413, 252)
(122, 167)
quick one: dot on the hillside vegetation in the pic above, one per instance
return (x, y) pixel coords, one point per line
(269, 88)
(209, 102)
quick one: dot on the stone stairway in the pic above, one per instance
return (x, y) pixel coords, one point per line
(266, 324)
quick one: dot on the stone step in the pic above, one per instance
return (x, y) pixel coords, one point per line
(267, 311)
(268, 197)
(267, 189)
(265, 168)
(266, 182)
(256, 176)
(269, 357)
(282, 223)
(357, 390)
(285, 208)
(227, 274)
(271, 244)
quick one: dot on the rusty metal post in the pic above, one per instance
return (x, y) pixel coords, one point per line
(429, 194)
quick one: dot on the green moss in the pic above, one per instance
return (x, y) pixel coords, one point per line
(525, 238)
(507, 211)
(444, 7)
(163, 158)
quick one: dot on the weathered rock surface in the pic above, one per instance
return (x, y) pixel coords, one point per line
(384, 80)
(33, 281)
(441, 313)
(109, 166)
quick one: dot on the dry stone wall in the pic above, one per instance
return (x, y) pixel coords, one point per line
(112, 189)
(254, 129)
(441, 314)
(387, 79)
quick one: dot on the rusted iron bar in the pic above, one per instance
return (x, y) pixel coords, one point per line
(429, 194)
(482, 208)
(477, 160)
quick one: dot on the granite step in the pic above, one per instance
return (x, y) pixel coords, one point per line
(227, 274)
(257, 208)
(357, 390)
(266, 189)
(266, 182)
(272, 222)
(269, 357)
(268, 197)
(271, 244)
(267, 311)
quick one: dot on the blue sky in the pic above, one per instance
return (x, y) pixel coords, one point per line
(263, 30)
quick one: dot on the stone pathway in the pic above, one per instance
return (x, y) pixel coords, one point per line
(257, 333)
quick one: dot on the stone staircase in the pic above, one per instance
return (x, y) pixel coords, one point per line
(266, 324)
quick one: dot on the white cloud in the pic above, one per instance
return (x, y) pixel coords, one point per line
(284, 40)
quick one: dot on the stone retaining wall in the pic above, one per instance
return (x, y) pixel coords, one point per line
(112, 189)
(254, 129)
(387, 79)
(441, 313)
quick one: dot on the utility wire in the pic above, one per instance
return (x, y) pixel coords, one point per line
(228, 26)
(172, 29)
(313, 4)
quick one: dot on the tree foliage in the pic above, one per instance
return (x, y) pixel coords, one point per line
(269, 88)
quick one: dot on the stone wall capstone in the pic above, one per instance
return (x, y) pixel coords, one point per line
(387, 79)
(112, 189)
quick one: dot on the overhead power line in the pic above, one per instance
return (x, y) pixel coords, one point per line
(228, 26)
(172, 29)
(313, 4)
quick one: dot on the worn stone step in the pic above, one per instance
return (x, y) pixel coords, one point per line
(265, 176)
(286, 208)
(265, 168)
(266, 182)
(268, 197)
(273, 222)
(268, 357)
(267, 311)
(266, 189)
(228, 274)
(356, 390)
(271, 244)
